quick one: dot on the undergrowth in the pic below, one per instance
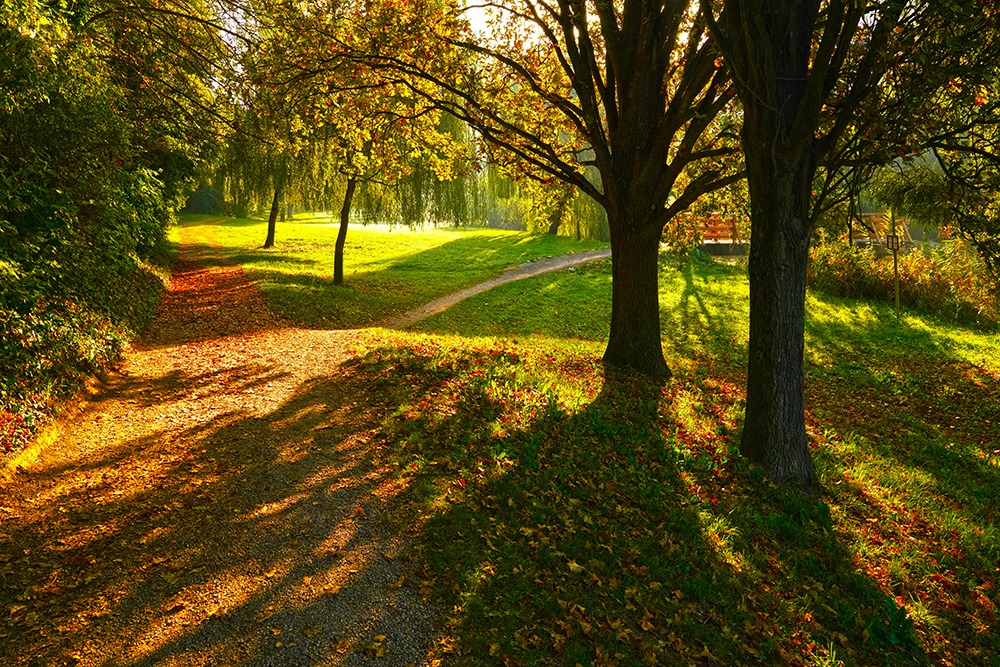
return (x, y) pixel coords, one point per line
(50, 345)
(950, 281)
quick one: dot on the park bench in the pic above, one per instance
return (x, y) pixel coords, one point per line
(716, 229)
(872, 229)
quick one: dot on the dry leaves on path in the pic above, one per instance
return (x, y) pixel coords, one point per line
(221, 502)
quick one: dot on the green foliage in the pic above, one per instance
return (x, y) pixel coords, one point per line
(949, 281)
(82, 214)
(916, 191)
(46, 354)
(523, 204)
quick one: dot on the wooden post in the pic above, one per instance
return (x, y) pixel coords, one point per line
(895, 257)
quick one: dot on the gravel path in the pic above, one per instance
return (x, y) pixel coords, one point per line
(526, 270)
(219, 501)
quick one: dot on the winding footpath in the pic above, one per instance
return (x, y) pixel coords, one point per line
(219, 501)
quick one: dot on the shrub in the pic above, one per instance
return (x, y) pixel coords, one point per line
(949, 281)
(80, 213)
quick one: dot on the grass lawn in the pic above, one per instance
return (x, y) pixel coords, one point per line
(386, 272)
(565, 514)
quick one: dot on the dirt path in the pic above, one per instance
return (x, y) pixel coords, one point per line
(219, 502)
(526, 270)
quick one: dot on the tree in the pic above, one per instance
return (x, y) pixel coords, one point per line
(804, 71)
(965, 192)
(82, 188)
(377, 131)
(788, 59)
(633, 89)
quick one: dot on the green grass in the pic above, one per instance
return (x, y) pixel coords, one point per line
(386, 272)
(567, 515)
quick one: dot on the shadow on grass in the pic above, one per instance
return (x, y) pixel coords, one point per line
(200, 220)
(594, 535)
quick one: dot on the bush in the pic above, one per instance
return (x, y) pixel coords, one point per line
(949, 281)
(80, 215)
(206, 200)
(47, 354)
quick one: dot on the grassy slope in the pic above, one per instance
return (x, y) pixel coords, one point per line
(571, 516)
(386, 272)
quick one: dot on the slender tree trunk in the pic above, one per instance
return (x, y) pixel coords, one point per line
(850, 221)
(634, 341)
(774, 432)
(272, 220)
(345, 216)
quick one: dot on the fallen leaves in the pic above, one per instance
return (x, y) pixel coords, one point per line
(376, 649)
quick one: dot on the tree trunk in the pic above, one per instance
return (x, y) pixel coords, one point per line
(634, 341)
(774, 432)
(345, 216)
(554, 221)
(272, 220)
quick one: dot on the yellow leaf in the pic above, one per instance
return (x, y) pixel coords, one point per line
(380, 638)
(575, 567)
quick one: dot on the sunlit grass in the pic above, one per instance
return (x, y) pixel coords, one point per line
(387, 271)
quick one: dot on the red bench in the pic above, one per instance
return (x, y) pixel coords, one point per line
(716, 229)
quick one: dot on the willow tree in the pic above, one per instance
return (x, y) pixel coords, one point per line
(376, 129)
(633, 89)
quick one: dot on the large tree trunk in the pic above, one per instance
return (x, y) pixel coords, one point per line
(272, 220)
(774, 432)
(345, 216)
(634, 341)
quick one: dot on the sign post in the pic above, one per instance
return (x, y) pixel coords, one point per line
(892, 242)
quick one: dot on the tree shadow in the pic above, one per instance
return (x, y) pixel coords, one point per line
(559, 536)
(201, 220)
(702, 325)
(244, 540)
